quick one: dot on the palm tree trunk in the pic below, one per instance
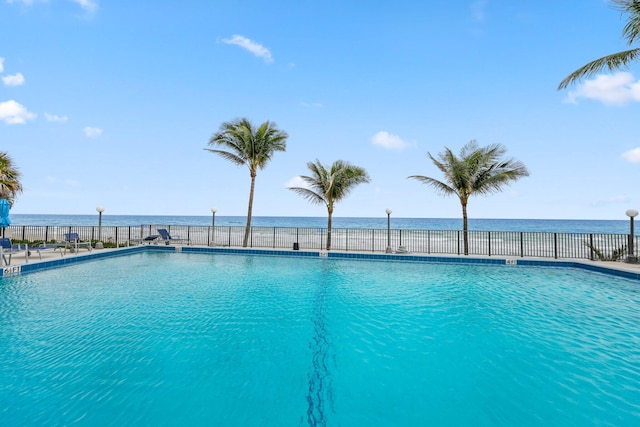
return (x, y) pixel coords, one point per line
(465, 228)
(329, 230)
(247, 230)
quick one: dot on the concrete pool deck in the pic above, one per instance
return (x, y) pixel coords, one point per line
(52, 259)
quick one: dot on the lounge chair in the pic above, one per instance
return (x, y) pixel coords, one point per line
(44, 247)
(72, 241)
(166, 237)
(8, 248)
(153, 238)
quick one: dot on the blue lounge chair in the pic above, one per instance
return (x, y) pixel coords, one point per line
(72, 241)
(153, 238)
(8, 248)
(166, 237)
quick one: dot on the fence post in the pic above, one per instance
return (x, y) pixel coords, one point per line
(429, 241)
(46, 234)
(229, 236)
(489, 241)
(458, 240)
(555, 245)
(373, 240)
(346, 239)
(521, 244)
(590, 247)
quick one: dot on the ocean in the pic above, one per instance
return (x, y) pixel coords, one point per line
(480, 224)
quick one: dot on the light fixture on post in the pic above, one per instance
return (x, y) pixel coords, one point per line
(99, 244)
(631, 257)
(388, 250)
(213, 225)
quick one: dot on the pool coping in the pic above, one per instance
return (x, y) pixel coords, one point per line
(25, 268)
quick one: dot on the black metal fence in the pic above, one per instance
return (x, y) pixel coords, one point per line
(446, 242)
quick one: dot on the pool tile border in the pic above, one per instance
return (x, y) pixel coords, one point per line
(512, 262)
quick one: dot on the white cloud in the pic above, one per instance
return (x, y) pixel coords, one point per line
(632, 156)
(92, 132)
(55, 118)
(256, 48)
(387, 140)
(88, 5)
(25, 2)
(13, 113)
(296, 181)
(1, 64)
(610, 89)
(13, 80)
(478, 10)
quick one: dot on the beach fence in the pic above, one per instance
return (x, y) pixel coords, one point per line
(591, 246)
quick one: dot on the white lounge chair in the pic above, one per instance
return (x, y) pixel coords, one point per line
(166, 237)
(73, 242)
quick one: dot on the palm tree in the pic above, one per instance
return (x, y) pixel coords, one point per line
(247, 145)
(615, 61)
(9, 179)
(477, 170)
(328, 186)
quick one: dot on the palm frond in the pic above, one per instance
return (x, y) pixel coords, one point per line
(233, 158)
(330, 185)
(610, 62)
(631, 30)
(477, 170)
(310, 195)
(10, 185)
(247, 144)
(439, 186)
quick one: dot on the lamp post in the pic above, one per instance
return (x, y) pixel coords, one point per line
(213, 225)
(388, 250)
(99, 244)
(631, 258)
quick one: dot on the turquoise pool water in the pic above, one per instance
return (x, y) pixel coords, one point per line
(199, 339)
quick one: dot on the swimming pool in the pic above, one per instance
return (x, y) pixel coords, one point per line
(201, 339)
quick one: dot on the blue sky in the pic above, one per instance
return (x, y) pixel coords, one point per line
(112, 103)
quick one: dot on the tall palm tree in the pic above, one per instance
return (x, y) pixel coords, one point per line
(477, 170)
(244, 144)
(329, 186)
(10, 185)
(615, 61)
